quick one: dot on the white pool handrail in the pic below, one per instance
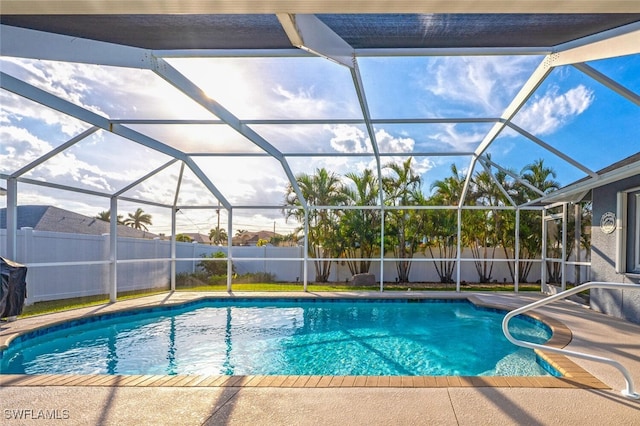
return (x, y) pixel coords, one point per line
(629, 391)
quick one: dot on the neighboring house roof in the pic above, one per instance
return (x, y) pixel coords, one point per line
(54, 219)
(252, 238)
(198, 238)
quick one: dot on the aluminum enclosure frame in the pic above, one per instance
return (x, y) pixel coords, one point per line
(311, 37)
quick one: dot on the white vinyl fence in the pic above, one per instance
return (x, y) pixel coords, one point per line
(63, 265)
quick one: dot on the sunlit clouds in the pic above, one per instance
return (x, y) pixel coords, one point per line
(457, 139)
(349, 139)
(20, 148)
(304, 102)
(17, 110)
(274, 88)
(547, 113)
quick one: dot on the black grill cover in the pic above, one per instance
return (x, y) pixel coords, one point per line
(13, 288)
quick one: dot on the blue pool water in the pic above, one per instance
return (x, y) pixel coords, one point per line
(286, 337)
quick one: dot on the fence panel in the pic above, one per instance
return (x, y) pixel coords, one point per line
(144, 264)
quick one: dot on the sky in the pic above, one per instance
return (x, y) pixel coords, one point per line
(569, 111)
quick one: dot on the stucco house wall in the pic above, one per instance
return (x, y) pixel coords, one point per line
(619, 303)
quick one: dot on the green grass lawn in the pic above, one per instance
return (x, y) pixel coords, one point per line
(40, 308)
(51, 306)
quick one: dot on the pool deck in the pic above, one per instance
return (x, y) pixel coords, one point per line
(588, 394)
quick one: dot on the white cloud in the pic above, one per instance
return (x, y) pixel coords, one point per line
(106, 91)
(304, 102)
(389, 143)
(348, 139)
(545, 114)
(96, 182)
(16, 109)
(451, 135)
(351, 139)
(485, 83)
(20, 147)
(67, 81)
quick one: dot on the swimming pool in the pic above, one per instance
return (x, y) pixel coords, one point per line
(285, 337)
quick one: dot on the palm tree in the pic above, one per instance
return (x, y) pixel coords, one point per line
(320, 189)
(138, 220)
(360, 229)
(183, 238)
(106, 216)
(277, 240)
(401, 189)
(480, 231)
(541, 177)
(218, 235)
(449, 190)
(241, 236)
(538, 175)
(441, 232)
(443, 224)
(505, 220)
(292, 239)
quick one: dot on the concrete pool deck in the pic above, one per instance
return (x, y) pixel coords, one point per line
(591, 396)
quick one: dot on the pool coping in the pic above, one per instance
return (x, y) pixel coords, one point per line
(574, 376)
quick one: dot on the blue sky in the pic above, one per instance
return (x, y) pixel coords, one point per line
(569, 111)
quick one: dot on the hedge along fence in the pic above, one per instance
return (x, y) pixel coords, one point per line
(63, 265)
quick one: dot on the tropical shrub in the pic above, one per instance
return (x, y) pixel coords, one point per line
(215, 267)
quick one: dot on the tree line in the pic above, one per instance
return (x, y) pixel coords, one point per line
(357, 233)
